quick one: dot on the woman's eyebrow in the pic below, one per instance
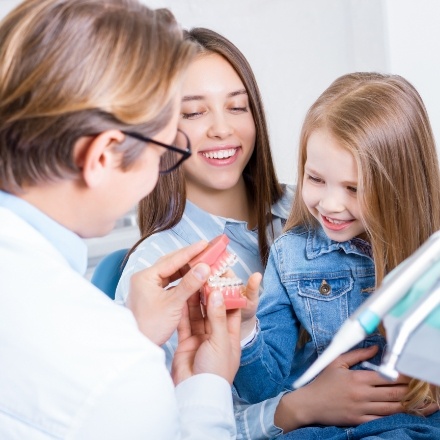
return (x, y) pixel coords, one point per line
(237, 92)
(201, 97)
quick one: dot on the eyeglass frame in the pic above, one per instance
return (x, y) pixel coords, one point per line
(185, 153)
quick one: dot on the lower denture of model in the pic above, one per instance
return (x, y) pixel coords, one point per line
(220, 260)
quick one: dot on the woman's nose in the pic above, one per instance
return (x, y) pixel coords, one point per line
(220, 127)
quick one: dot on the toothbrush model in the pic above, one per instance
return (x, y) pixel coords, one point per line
(220, 259)
(367, 317)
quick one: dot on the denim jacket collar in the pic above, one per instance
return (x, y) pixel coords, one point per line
(318, 244)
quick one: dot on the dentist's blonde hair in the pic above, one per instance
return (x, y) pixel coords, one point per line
(382, 121)
(72, 68)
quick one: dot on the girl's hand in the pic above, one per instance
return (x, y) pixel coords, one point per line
(248, 314)
(252, 293)
(342, 397)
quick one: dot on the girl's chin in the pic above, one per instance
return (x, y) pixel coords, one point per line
(343, 234)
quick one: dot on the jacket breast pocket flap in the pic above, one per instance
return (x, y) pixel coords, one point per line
(325, 288)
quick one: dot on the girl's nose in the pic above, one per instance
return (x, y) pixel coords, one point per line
(330, 203)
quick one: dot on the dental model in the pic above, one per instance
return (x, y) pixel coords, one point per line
(220, 259)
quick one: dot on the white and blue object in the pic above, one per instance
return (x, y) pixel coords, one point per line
(421, 270)
(412, 328)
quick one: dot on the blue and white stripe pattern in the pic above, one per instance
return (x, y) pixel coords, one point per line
(197, 224)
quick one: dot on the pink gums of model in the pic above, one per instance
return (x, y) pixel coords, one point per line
(220, 260)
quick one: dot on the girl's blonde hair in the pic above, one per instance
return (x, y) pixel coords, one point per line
(73, 68)
(382, 121)
(164, 206)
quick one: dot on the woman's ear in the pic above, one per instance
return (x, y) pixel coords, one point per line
(96, 156)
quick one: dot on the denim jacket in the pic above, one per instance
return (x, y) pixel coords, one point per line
(312, 282)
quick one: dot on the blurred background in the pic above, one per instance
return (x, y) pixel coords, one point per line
(297, 48)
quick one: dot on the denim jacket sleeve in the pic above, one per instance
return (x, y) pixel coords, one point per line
(267, 360)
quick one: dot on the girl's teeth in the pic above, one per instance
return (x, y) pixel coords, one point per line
(335, 222)
(220, 154)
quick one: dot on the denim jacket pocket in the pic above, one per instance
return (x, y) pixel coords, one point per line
(325, 305)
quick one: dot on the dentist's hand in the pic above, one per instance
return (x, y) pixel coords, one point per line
(158, 310)
(207, 344)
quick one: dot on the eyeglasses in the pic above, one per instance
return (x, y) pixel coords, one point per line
(174, 155)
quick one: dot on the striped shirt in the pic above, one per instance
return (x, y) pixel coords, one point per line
(256, 421)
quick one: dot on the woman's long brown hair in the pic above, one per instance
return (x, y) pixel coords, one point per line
(163, 208)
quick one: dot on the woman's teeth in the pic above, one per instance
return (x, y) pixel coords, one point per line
(220, 154)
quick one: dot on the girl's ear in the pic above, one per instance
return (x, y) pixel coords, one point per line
(96, 156)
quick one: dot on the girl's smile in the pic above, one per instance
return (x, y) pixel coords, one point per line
(335, 225)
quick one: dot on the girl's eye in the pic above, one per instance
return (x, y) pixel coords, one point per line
(352, 189)
(192, 115)
(314, 179)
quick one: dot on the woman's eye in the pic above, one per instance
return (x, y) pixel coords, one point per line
(239, 109)
(352, 189)
(192, 115)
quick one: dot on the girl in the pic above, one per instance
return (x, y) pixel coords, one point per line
(367, 197)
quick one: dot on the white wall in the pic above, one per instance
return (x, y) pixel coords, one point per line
(298, 47)
(413, 38)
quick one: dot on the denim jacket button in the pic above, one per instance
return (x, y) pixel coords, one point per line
(325, 288)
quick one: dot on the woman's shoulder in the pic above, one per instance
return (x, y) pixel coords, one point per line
(288, 191)
(173, 237)
(288, 195)
(157, 245)
(281, 208)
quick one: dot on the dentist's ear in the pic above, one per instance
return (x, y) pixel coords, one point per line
(95, 156)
